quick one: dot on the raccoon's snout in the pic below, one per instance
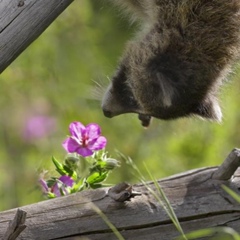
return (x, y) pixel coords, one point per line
(107, 113)
(118, 99)
(110, 105)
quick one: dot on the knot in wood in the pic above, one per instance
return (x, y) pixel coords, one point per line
(122, 192)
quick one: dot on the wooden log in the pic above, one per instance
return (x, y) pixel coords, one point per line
(22, 21)
(16, 226)
(196, 196)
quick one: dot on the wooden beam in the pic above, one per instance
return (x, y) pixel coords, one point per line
(22, 21)
(196, 196)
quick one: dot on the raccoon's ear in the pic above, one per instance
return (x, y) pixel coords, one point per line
(210, 109)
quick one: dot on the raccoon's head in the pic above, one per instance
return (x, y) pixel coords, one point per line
(163, 88)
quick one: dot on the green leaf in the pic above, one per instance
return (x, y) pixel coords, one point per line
(51, 182)
(70, 172)
(104, 165)
(63, 169)
(96, 177)
(51, 195)
(78, 187)
(59, 167)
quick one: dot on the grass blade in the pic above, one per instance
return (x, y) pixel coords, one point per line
(107, 221)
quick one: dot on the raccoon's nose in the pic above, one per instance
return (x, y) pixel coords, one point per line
(107, 113)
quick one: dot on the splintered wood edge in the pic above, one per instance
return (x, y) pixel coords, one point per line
(228, 167)
(16, 226)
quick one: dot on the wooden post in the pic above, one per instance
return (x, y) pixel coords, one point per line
(196, 196)
(22, 21)
(16, 226)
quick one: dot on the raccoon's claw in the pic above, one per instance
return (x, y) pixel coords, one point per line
(145, 119)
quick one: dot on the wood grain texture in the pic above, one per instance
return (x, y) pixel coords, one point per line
(198, 200)
(22, 21)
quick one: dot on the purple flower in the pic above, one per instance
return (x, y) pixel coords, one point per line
(43, 185)
(38, 126)
(61, 185)
(59, 188)
(84, 140)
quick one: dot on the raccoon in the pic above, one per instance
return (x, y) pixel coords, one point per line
(178, 60)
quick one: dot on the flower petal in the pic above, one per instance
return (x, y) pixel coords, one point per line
(71, 144)
(61, 185)
(44, 185)
(55, 189)
(66, 180)
(98, 144)
(85, 152)
(93, 131)
(77, 129)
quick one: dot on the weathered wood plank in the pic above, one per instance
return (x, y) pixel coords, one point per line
(163, 232)
(198, 200)
(22, 21)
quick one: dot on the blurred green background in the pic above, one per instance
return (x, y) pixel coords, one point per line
(53, 83)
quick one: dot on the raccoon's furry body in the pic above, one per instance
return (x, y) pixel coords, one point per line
(175, 65)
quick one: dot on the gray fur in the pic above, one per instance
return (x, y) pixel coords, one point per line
(176, 63)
